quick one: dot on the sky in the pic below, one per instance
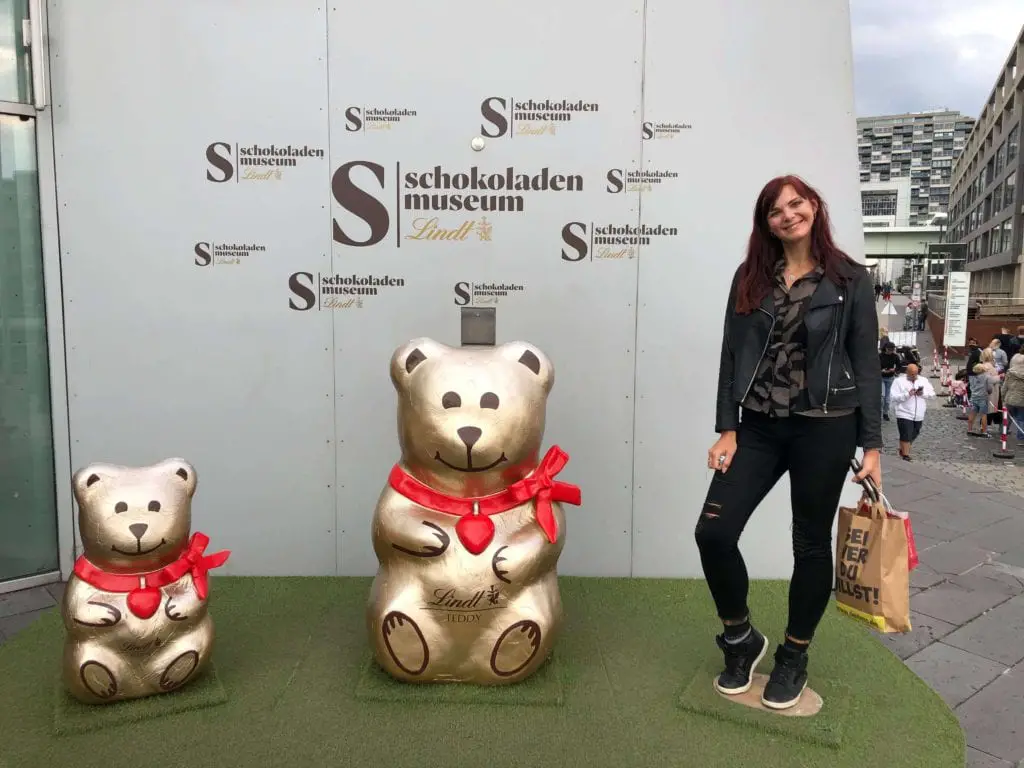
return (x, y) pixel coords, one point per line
(917, 55)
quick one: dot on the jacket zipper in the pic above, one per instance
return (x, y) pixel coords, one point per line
(828, 373)
(759, 359)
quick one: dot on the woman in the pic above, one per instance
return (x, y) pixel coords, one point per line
(998, 355)
(1013, 394)
(982, 382)
(800, 360)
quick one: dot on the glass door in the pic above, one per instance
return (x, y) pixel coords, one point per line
(28, 504)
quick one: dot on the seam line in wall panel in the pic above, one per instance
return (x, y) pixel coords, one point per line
(334, 341)
(636, 298)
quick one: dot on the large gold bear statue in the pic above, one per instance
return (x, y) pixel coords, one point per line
(469, 529)
(135, 608)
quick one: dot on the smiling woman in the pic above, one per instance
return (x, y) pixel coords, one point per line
(799, 360)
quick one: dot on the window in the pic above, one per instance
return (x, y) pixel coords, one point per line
(1001, 158)
(1011, 143)
(1010, 189)
(1007, 235)
(997, 199)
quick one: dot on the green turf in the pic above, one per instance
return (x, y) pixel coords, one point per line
(292, 653)
(543, 688)
(825, 728)
(72, 716)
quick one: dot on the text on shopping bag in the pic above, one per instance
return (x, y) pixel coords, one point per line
(853, 555)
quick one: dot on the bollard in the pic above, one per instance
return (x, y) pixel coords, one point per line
(1003, 453)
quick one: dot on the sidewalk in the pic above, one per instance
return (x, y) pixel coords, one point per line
(967, 603)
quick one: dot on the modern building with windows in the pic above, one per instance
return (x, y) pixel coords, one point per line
(985, 204)
(885, 203)
(919, 146)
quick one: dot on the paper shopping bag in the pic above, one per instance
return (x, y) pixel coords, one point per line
(873, 566)
(912, 559)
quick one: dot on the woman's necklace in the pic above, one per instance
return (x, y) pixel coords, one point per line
(791, 277)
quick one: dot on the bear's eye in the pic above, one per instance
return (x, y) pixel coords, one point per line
(154, 506)
(489, 400)
(451, 400)
(120, 507)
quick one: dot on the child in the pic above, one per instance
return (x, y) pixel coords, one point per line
(981, 382)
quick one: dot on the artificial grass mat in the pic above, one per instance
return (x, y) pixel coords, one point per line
(291, 655)
(825, 728)
(72, 716)
(543, 688)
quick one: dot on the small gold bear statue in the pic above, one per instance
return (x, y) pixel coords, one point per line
(135, 608)
(469, 528)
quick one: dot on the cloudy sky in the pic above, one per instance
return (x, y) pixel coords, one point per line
(914, 55)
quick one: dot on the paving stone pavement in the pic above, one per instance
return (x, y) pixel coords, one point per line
(967, 601)
(944, 444)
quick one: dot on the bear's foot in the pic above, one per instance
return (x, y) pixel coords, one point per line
(98, 680)
(405, 643)
(179, 671)
(515, 648)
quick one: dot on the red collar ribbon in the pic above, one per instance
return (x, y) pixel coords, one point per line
(144, 588)
(475, 527)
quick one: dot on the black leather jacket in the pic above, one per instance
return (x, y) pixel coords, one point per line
(842, 353)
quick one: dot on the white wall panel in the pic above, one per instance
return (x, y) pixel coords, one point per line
(750, 117)
(166, 357)
(282, 399)
(436, 64)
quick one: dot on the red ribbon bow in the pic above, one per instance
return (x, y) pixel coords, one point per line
(475, 528)
(195, 563)
(144, 588)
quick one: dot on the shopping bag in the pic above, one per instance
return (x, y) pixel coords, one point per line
(912, 559)
(873, 563)
(872, 494)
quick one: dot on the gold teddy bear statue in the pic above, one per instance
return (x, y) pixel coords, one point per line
(135, 607)
(469, 529)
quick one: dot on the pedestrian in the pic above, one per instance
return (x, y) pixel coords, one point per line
(889, 363)
(1013, 394)
(799, 389)
(1016, 342)
(999, 355)
(981, 381)
(909, 393)
(973, 355)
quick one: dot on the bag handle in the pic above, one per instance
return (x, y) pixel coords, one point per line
(871, 491)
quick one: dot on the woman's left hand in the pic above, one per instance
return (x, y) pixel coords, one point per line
(871, 466)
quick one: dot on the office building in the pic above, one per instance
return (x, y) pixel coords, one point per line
(985, 208)
(919, 146)
(885, 203)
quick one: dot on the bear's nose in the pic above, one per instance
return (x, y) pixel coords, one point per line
(138, 529)
(470, 435)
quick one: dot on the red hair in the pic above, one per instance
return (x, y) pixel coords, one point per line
(764, 250)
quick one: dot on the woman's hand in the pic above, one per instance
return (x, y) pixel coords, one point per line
(871, 466)
(725, 447)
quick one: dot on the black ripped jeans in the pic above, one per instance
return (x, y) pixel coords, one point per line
(816, 451)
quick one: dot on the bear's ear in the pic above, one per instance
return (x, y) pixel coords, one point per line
(531, 358)
(408, 357)
(90, 478)
(182, 472)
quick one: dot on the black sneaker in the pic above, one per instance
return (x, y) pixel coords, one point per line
(740, 661)
(788, 679)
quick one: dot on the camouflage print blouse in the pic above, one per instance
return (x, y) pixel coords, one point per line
(779, 387)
